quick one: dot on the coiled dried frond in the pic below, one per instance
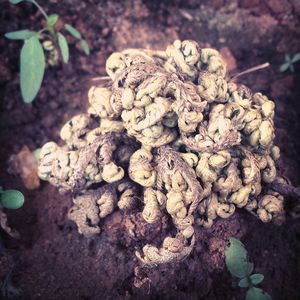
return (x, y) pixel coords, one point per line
(170, 133)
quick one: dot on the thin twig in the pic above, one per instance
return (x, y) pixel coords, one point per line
(100, 78)
(100, 81)
(39, 8)
(254, 69)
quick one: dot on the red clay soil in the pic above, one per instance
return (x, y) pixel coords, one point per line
(51, 260)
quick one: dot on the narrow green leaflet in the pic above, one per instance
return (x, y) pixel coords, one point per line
(284, 67)
(287, 57)
(73, 31)
(15, 1)
(252, 280)
(20, 34)
(64, 48)
(256, 278)
(12, 199)
(52, 19)
(85, 47)
(244, 283)
(236, 259)
(257, 294)
(296, 57)
(32, 68)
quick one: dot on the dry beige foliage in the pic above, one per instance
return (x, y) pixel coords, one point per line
(172, 133)
(25, 164)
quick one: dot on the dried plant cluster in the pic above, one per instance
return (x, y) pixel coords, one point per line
(172, 134)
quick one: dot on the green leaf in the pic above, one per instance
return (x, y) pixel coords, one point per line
(236, 259)
(52, 19)
(287, 57)
(32, 68)
(12, 199)
(256, 278)
(73, 31)
(257, 294)
(37, 153)
(85, 47)
(284, 67)
(15, 1)
(244, 283)
(64, 48)
(20, 34)
(296, 57)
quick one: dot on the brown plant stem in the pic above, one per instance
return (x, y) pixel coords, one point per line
(286, 189)
(251, 70)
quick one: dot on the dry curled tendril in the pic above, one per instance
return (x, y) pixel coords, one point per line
(172, 130)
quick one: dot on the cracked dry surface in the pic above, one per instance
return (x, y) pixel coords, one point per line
(173, 133)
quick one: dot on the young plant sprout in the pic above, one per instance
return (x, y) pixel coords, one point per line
(236, 258)
(11, 199)
(32, 58)
(289, 62)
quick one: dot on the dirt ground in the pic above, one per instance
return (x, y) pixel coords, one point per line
(51, 260)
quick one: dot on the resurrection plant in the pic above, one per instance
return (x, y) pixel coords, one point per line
(32, 58)
(236, 258)
(172, 133)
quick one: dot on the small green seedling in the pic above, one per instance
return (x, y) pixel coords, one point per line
(11, 199)
(289, 62)
(236, 258)
(32, 58)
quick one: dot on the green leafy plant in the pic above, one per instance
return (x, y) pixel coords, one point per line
(236, 258)
(289, 62)
(11, 199)
(32, 58)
